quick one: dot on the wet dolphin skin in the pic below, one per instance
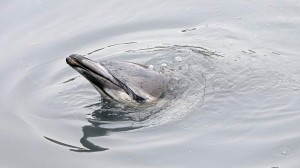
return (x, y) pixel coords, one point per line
(121, 81)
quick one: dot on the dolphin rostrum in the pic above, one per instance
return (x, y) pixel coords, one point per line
(125, 82)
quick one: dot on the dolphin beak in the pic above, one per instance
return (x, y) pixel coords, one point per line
(73, 60)
(81, 62)
(98, 75)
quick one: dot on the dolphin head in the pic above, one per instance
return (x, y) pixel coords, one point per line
(121, 81)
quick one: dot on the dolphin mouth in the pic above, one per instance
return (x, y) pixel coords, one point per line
(98, 75)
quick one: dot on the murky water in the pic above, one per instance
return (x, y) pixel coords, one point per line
(237, 63)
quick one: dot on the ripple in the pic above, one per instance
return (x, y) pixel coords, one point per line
(203, 81)
(54, 92)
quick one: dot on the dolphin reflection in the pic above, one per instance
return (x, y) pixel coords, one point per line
(96, 130)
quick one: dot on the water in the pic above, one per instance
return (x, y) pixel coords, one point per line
(239, 61)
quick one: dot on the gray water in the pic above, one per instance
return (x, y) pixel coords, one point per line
(239, 61)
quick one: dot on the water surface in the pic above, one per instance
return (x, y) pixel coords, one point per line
(237, 60)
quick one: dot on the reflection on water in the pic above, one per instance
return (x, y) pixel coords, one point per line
(89, 131)
(107, 114)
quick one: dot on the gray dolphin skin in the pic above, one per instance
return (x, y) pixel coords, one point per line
(121, 81)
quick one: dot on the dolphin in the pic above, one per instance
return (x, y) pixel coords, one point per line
(124, 82)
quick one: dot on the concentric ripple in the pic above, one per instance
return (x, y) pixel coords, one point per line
(75, 103)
